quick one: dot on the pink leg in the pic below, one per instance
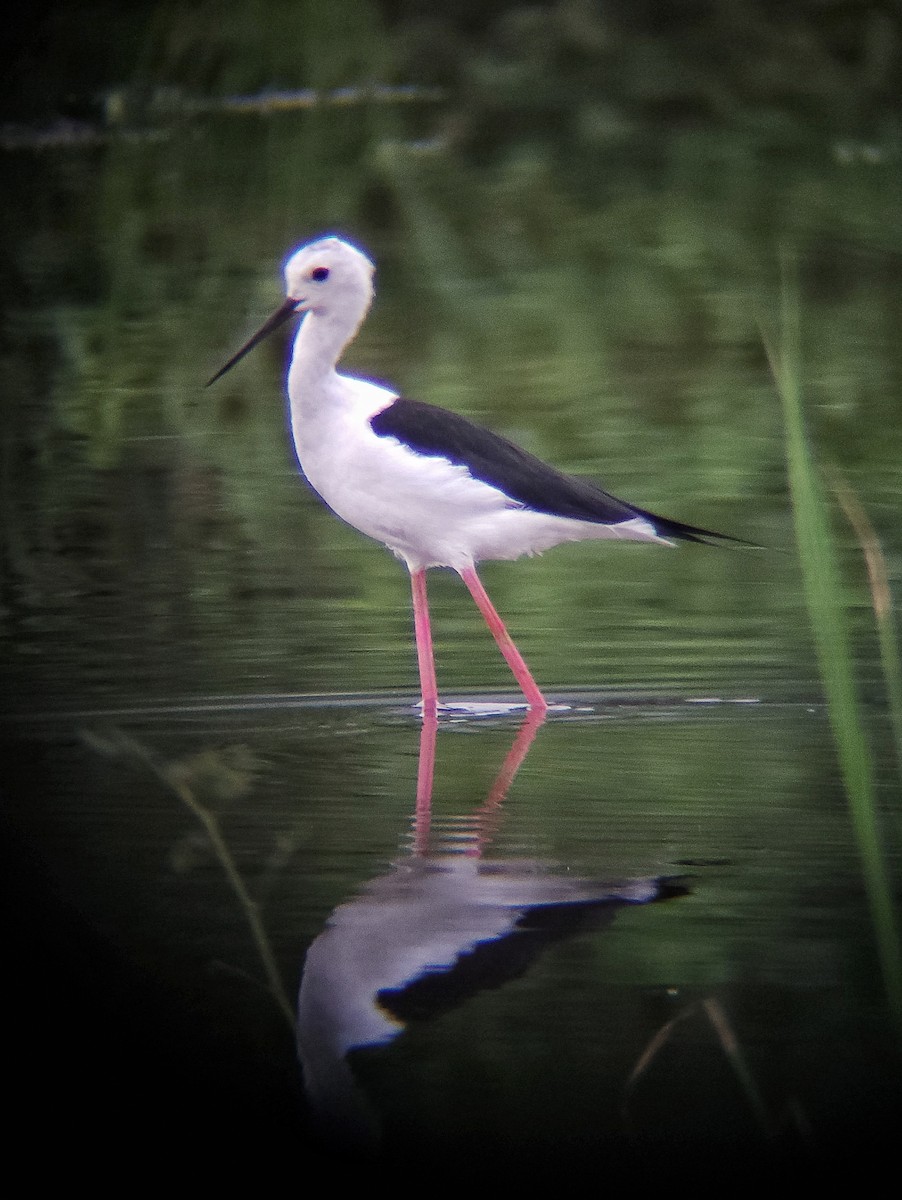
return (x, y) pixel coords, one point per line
(488, 817)
(425, 773)
(423, 632)
(505, 642)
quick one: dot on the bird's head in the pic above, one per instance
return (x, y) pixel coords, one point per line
(328, 277)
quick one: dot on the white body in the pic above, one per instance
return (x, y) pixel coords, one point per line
(429, 511)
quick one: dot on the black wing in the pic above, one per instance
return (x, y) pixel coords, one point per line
(437, 433)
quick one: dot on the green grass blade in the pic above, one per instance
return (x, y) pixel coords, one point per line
(824, 599)
(881, 601)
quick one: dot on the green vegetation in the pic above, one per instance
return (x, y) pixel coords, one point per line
(826, 605)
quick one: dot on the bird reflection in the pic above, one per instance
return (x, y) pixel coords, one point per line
(439, 927)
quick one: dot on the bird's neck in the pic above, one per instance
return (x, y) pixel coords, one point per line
(317, 348)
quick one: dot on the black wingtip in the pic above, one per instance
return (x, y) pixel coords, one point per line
(694, 533)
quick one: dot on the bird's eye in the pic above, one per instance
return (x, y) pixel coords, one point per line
(318, 274)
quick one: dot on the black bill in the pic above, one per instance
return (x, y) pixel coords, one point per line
(279, 317)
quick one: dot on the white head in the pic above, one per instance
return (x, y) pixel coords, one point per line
(330, 276)
(330, 279)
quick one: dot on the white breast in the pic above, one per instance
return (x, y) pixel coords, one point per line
(427, 510)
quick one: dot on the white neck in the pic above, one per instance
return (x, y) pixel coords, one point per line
(318, 345)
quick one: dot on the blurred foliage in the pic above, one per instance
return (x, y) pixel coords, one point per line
(585, 74)
(563, 253)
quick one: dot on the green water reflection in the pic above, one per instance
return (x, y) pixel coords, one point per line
(154, 925)
(616, 335)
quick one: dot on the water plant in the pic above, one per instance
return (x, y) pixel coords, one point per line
(824, 598)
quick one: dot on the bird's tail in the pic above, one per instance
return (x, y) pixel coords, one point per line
(667, 528)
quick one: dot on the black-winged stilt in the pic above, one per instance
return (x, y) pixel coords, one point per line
(438, 490)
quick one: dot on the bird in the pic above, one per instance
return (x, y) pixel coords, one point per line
(434, 487)
(423, 938)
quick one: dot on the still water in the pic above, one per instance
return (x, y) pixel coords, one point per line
(638, 929)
